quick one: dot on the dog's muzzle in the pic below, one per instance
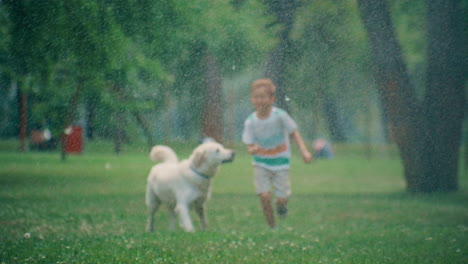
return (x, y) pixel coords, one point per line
(230, 159)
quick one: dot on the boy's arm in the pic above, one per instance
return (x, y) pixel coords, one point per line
(252, 148)
(306, 156)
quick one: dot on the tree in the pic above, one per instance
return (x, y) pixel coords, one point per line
(427, 133)
(73, 51)
(213, 110)
(327, 70)
(222, 38)
(280, 57)
(139, 75)
(29, 36)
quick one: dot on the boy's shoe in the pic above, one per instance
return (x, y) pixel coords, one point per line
(282, 212)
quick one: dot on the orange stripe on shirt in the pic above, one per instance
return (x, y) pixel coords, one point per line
(273, 151)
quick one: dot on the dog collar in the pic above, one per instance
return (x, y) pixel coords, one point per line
(199, 174)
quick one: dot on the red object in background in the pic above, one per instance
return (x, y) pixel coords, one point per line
(75, 140)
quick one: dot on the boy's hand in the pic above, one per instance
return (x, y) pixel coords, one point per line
(252, 149)
(306, 156)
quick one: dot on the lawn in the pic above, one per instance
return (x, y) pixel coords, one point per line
(90, 209)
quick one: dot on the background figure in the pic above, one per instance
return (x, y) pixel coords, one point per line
(322, 149)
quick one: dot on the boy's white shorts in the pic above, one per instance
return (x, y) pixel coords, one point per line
(265, 179)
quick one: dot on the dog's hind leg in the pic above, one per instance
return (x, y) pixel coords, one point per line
(201, 212)
(152, 205)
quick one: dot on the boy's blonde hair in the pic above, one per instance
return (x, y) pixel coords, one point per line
(267, 83)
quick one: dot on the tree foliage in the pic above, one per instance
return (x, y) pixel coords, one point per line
(328, 72)
(123, 55)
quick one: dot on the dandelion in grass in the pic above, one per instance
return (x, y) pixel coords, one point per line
(27, 235)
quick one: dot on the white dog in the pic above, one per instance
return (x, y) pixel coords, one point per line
(183, 185)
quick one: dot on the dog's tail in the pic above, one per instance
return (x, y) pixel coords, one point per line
(161, 153)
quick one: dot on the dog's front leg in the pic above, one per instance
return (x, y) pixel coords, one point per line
(201, 212)
(182, 211)
(172, 219)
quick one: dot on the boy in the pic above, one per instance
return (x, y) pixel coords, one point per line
(266, 133)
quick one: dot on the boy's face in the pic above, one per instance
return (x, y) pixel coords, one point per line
(261, 99)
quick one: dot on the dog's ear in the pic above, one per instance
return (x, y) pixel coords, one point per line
(198, 158)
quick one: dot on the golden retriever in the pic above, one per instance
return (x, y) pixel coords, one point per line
(183, 185)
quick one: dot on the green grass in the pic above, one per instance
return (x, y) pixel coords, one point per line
(347, 210)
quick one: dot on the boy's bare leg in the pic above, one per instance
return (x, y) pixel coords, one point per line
(265, 198)
(282, 207)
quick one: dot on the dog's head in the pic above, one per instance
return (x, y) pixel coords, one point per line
(211, 153)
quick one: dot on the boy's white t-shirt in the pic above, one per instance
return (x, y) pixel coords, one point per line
(272, 136)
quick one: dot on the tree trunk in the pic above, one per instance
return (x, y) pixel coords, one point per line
(23, 120)
(119, 133)
(409, 126)
(146, 129)
(275, 70)
(335, 124)
(90, 116)
(119, 121)
(445, 96)
(212, 117)
(230, 119)
(368, 127)
(167, 117)
(396, 93)
(279, 58)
